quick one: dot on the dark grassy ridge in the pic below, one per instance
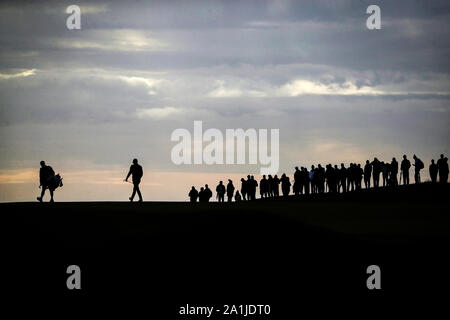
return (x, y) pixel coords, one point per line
(287, 252)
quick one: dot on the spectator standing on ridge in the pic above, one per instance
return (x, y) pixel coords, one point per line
(220, 189)
(263, 187)
(270, 185)
(376, 165)
(276, 186)
(244, 188)
(343, 177)
(359, 176)
(297, 181)
(442, 164)
(285, 185)
(404, 167)
(367, 174)
(230, 190)
(393, 172)
(208, 193)
(254, 185)
(418, 165)
(193, 194)
(433, 169)
(202, 195)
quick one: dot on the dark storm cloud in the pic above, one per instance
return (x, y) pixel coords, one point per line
(137, 70)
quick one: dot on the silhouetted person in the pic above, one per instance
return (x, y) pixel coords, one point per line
(343, 177)
(367, 174)
(312, 179)
(253, 186)
(136, 173)
(384, 173)
(442, 164)
(433, 169)
(376, 170)
(208, 193)
(418, 165)
(249, 188)
(276, 186)
(320, 178)
(46, 176)
(244, 188)
(330, 175)
(297, 181)
(351, 177)
(404, 167)
(230, 190)
(220, 189)
(202, 195)
(193, 194)
(306, 181)
(263, 187)
(237, 196)
(270, 185)
(445, 171)
(359, 176)
(393, 172)
(285, 185)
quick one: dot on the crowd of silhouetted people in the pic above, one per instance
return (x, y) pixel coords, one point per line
(332, 179)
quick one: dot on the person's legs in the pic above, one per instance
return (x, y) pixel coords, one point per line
(138, 191)
(51, 195)
(42, 193)
(133, 193)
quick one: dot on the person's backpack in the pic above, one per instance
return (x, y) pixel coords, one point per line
(420, 164)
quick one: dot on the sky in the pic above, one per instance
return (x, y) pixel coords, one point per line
(88, 101)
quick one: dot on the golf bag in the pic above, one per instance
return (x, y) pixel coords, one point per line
(54, 182)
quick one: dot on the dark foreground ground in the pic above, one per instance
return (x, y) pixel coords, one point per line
(296, 255)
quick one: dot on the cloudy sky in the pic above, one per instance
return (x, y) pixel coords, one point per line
(88, 101)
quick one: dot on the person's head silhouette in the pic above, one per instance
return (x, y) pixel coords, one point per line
(404, 156)
(42, 163)
(135, 161)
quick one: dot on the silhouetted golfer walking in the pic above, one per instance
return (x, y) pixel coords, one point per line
(46, 175)
(136, 173)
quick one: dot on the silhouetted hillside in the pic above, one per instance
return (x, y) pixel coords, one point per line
(318, 245)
